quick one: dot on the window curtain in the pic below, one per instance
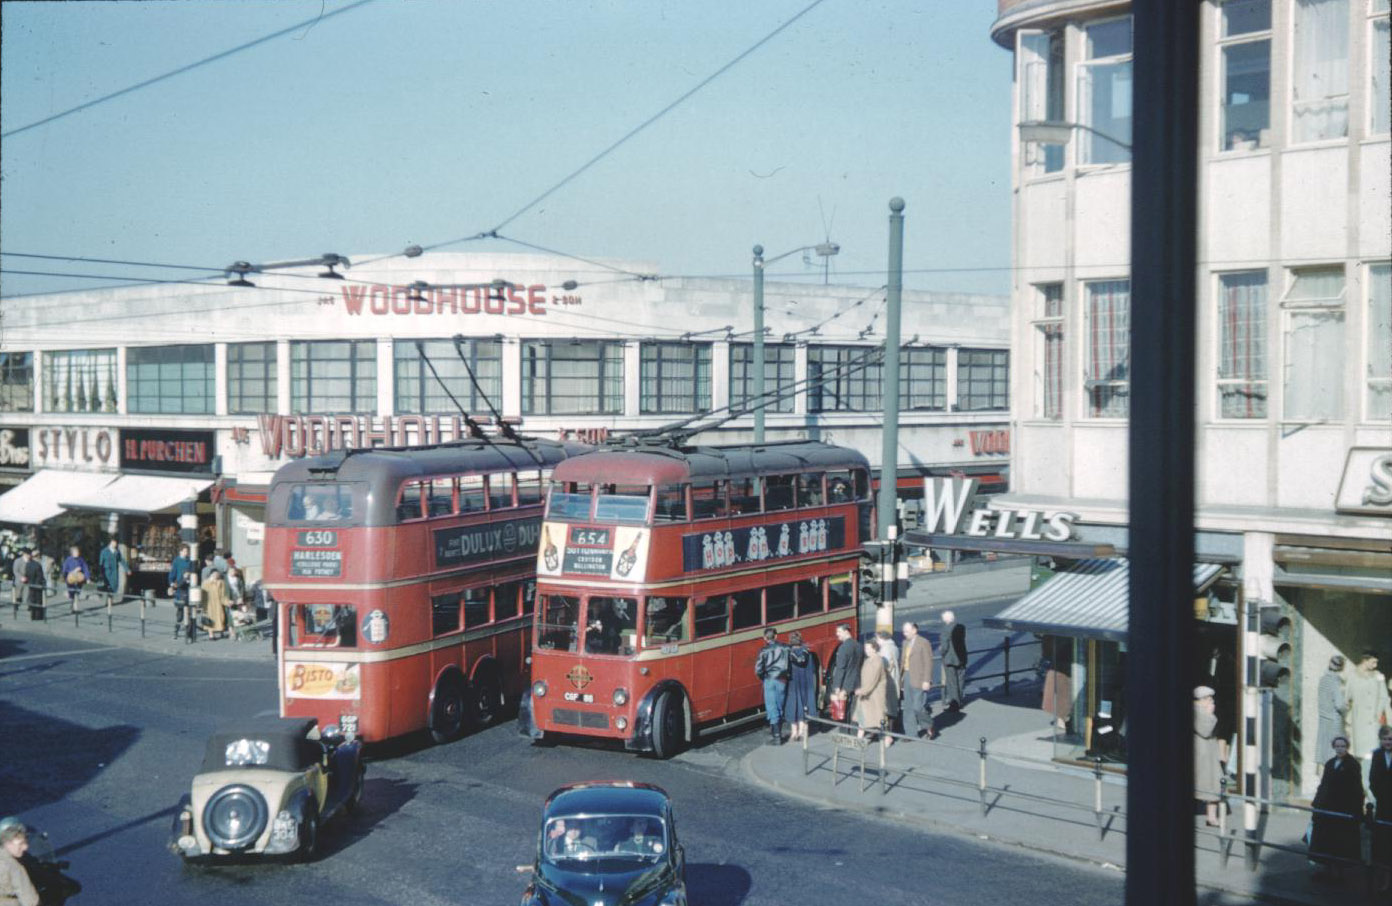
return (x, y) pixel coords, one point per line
(1379, 98)
(1242, 339)
(1109, 347)
(1380, 343)
(1320, 80)
(1314, 381)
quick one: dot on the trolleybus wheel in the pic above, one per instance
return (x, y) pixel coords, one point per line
(487, 703)
(667, 725)
(447, 710)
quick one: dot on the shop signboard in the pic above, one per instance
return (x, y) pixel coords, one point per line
(82, 449)
(949, 507)
(1366, 486)
(293, 436)
(163, 450)
(14, 448)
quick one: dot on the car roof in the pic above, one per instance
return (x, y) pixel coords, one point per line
(290, 747)
(625, 797)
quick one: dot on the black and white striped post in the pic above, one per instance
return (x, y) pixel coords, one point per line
(188, 534)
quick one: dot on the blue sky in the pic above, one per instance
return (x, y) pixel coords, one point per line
(420, 122)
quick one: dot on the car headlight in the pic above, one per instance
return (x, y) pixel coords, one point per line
(235, 816)
(539, 689)
(621, 696)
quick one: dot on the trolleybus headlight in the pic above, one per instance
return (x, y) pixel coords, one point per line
(621, 696)
(539, 688)
(621, 722)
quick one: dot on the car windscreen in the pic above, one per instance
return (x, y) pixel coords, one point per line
(601, 839)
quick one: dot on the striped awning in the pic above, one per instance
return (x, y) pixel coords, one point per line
(1089, 599)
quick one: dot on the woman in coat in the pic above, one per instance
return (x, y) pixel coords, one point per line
(1339, 803)
(74, 567)
(1208, 768)
(870, 694)
(802, 686)
(1332, 706)
(215, 603)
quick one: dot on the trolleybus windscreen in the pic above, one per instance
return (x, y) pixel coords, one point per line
(320, 503)
(622, 504)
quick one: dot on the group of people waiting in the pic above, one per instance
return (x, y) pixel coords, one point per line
(30, 571)
(880, 686)
(225, 599)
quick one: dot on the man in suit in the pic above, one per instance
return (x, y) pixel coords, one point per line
(917, 679)
(953, 651)
(1380, 785)
(36, 583)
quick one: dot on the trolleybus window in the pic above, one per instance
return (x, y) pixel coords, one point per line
(475, 607)
(748, 609)
(744, 496)
(471, 494)
(809, 596)
(708, 500)
(611, 625)
(529, 596)
(622, 503)
(809, 489)
(444, 613)
(778, 492)
(779, 602)
(500, 491)
(839, 486)
(559, 622)
(671, 504)
(326, 626)
(441, 499)
(712, 616)
(505, 599)
(320, 503)
(528, 488)
(569, 500)
(664, 621)
(839, 592)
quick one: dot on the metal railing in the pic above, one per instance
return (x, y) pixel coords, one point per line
(1005, 647)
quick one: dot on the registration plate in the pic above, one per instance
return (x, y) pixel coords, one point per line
(586, 697)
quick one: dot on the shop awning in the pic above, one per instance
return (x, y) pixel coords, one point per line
(138, 494)
(36, 500)
(1087, 600)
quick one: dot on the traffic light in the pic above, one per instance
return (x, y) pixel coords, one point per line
(1269, 665)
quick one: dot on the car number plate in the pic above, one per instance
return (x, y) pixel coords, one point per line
(586, 697)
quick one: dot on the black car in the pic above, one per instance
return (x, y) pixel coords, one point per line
(606, 844)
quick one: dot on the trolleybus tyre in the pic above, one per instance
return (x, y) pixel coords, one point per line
(448, 709)
(487, 705)
(667, 725)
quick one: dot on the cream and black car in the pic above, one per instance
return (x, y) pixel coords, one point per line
(266, 787)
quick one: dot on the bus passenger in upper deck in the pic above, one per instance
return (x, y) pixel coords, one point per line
(838, 490)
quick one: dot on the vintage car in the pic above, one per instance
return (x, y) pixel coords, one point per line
(605, 844)
(266, 787)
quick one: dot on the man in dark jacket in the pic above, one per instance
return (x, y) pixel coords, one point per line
(952, 651)
(179, 582)
(844, 671)
(1380, 785)
(36, 583)
(773, 668)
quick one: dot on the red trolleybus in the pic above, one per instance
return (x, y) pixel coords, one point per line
(404, 581)
(659, 569)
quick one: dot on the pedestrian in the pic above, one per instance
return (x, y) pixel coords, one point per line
(180, 576)
(76, 574)
(870, 693)
(209, 567)
(917, 680)
(113, 567)
(35, 584)
(952, 651)
(16, 568)
(1208, 767)
(222, 561)
(215, 603)
(890, 652)
(15, 886)
(236, 587)
(802, 687)
(1368, 706)
(772, 666)
(1338, 804)
(1380, 786)
(844, 672)
(1332, 707)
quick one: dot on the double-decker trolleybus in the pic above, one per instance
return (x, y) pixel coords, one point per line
(404, 580)
(661, 565)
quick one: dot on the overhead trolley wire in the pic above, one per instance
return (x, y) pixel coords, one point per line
(183, 69)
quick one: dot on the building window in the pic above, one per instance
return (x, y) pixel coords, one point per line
(779, 383)
(1041, 95)
(333, 376)
(251, 377)
(983, 380)
(1242, 382)
(1379, 70)
(923, 379)
(417, 390)
(1314, 319)
(80, 380)
(676, 377)
(1319, 71)
(1108, 348)
(572, 377)
(1104, 94)
(16, 382)
(844, 378)
(1048, 351)
(1380, 343)
(1246, 60)
(170, 379)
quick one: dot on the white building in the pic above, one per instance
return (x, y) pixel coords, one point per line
(126, 401)
(1294, 455)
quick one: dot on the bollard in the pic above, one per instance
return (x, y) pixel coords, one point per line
(1007, 665)
(147, 599)
(1097, 796)
(981, 780)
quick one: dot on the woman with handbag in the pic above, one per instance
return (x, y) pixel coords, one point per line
(75, 574)
(870, 694)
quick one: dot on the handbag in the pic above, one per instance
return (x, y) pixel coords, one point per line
(76, 577)
(838, 709)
